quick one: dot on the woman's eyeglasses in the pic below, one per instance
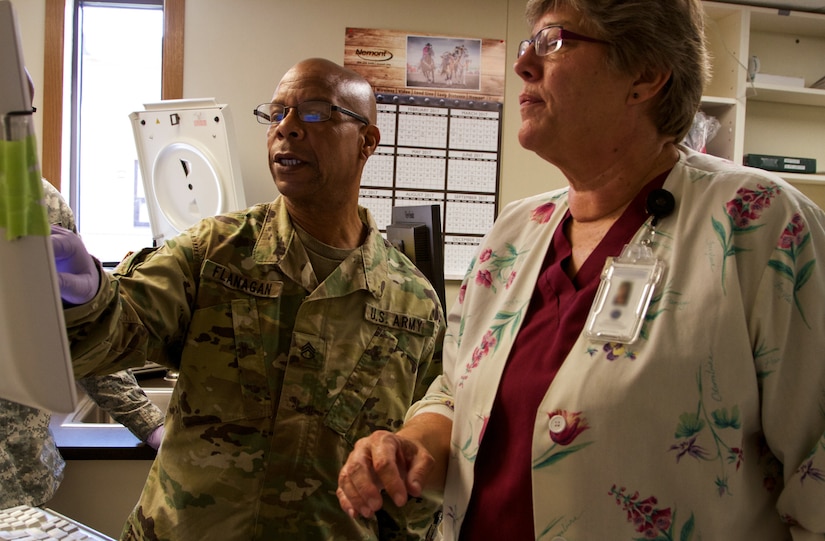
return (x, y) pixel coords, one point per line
(549, 39)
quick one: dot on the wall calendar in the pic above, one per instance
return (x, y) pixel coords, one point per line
(439, 112)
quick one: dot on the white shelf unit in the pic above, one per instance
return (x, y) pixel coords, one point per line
(764, 118)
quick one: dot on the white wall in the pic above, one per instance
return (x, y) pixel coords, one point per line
(236, 51)
(30, 17)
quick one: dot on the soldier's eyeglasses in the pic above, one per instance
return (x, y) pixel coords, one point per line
(308, 111)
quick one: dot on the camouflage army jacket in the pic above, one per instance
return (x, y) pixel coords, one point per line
(279, 375)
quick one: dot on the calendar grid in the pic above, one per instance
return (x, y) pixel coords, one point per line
(443, 152)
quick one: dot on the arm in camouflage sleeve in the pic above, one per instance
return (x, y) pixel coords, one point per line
(141, 312)
(59, 211)
(122, 397)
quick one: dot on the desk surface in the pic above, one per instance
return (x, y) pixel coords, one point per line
(113, 442)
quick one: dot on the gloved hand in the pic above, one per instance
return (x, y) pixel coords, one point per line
(155, 438)
(77, 272)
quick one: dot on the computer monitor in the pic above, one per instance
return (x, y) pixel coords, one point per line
(416, 231)
(35, 363)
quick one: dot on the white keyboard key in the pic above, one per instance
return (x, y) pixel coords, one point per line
(26, 523)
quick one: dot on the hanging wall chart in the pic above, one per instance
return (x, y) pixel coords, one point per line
(440, 102)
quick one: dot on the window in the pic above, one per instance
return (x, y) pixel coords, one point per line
(117, 63)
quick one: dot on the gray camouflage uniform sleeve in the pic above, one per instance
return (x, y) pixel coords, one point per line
(59, 212)
(123, 398)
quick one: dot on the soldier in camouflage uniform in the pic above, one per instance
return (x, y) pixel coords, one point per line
(31, 467)
(295, 326)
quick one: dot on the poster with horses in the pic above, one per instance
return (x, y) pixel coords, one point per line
(426, 64)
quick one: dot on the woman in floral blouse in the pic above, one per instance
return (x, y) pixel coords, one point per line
(692, 410)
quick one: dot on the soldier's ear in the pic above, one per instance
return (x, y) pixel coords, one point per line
(372, 136)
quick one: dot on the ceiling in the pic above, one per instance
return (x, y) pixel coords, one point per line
(816, 6)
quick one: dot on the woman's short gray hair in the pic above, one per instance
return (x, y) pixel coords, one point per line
(650, 34)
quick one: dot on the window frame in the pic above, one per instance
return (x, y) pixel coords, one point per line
(53, 62)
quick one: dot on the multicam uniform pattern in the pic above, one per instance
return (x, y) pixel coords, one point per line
(279, 375)
(31, 467)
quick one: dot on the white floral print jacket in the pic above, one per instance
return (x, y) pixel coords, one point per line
(711, 425)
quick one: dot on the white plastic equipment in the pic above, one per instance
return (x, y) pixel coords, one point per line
(35, 364)
(188, 163)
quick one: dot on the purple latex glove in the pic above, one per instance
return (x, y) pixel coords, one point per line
(155, 438)
(77, 272)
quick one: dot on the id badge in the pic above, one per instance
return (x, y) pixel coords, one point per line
(625, 291)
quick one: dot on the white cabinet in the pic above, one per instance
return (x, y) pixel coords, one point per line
(759, 117)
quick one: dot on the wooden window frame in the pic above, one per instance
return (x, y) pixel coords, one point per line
(171, 76)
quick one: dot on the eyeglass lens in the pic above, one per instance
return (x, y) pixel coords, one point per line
(546, 41)
(308, 111)
(313, 111)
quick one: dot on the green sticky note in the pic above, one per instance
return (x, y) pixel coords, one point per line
(22, 209)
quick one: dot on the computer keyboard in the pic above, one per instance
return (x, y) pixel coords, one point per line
(25, 523)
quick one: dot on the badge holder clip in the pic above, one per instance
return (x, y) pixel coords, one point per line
(628, 283)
